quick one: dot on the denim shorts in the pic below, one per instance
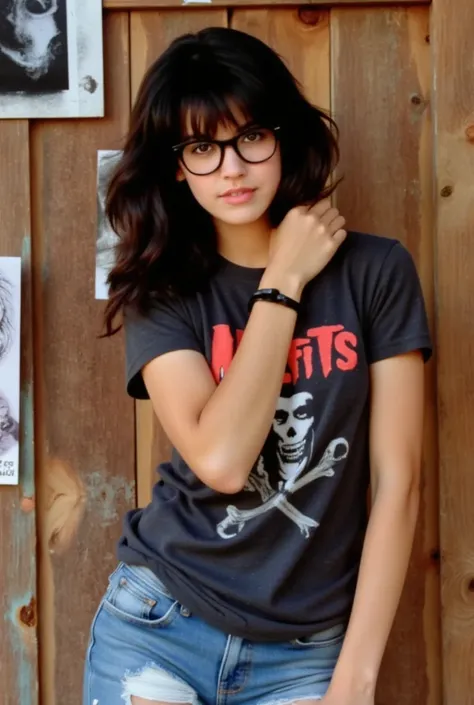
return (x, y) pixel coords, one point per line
(144, 643)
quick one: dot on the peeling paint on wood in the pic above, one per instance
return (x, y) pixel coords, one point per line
(18, 643)
(105, 494)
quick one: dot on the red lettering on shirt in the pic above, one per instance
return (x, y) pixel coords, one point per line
(345, 344)
(331, 344)
(325, 337)
(222, 351)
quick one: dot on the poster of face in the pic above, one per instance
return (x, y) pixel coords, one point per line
(106, 237)
(51, 62)
(10, 307)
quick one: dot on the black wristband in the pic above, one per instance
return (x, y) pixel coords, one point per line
(274, 296)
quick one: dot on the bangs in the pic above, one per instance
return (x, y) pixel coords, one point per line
(201, 112)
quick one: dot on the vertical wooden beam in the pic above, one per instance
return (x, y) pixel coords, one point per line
(301, 37)
(381, 101)
(84, 421)
(151, 33)
(18, 596)
(452, 28)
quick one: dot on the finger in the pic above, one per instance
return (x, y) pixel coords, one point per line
(329, 216)
(321, 207)
(337, 224)
(339, 237)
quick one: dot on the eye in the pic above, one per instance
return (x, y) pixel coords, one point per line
(203, 148)
(40, 8)
(254, 136)
(281, 417)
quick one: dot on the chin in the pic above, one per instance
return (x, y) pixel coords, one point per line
(240, 216)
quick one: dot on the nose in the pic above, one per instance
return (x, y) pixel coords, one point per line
(291, 432)
(232, 165)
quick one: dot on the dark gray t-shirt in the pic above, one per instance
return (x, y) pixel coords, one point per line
(279, 559)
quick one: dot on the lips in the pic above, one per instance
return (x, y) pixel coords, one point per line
(236, 196)
(236, 191)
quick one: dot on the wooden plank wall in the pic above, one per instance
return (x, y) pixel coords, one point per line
(18, 601)
(96, 454)
(454, 202)
(84, 422)
(381, 102)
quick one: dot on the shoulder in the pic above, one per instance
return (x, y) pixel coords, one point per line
(373, 257)
(176, 308)
(373, 248)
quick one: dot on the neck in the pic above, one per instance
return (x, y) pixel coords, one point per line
(245, 245)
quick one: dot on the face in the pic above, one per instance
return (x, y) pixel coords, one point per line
(238, 193)
(292, 424)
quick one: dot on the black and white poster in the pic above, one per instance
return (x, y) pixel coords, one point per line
(105, 237)
(51, 62)
(10, 308)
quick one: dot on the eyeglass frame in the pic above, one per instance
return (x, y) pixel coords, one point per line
(222, 144)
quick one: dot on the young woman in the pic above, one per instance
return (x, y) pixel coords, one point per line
(284, 359)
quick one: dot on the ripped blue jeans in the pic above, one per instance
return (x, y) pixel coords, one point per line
(145, 644)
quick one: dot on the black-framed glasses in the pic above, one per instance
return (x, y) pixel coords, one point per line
(203, 157)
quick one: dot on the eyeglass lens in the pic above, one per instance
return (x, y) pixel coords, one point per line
(254, 146)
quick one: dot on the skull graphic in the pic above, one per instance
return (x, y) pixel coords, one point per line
(293, 424)
(29, 34)
(293, 428)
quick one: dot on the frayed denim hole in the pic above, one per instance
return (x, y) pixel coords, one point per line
(293, 700)
(153, 682)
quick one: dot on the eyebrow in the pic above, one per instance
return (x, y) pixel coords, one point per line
(201, 137)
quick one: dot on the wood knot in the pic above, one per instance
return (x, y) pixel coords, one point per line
(470, 133)
(309, 16)
(446, 191)
(416, 99)
(27, 614)
(470, 585)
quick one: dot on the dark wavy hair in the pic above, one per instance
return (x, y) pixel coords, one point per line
(166, 241)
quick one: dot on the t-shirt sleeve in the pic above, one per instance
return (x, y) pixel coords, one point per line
(397, 320)
(166, 327)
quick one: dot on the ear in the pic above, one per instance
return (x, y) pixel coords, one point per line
(180, 175)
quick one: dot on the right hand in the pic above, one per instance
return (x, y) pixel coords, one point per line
(303, 244)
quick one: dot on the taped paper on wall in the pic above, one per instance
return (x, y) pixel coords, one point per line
(10, 326)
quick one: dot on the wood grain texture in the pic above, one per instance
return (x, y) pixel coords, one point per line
(151, 4)
(151, 33)
(454, 148)
(18, 596)
(301, 38)
(381, 101)
(85, 423)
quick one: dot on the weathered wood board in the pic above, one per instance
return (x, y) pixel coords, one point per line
(85, 423)
(18, 596)
(381, 102)
(453, 100)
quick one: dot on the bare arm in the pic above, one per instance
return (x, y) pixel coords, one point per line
(220, 430)
(395, 456)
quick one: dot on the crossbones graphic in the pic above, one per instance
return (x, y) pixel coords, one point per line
(336, 451)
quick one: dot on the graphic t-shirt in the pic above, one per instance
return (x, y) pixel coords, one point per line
(279, 559)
